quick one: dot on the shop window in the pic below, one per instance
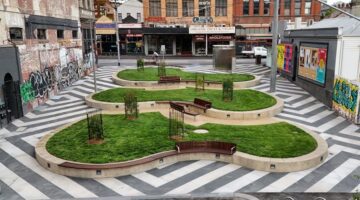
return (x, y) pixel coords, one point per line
(128, 14)
(256, 7)
(246, 7)
(297, 7)
(307, 7)
(120, 17)
(287, 7)
(155, 8)
(266, 7)
(171, 8)
(188, 8)
(221, 7)
(41, 34)
(60, 34)
(75, 34)
(16, 33)
(204, 8)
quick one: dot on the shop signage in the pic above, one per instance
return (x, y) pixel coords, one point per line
(155, 19)
(134, 35)
(203, 20)
(220, 37)
(211, 30)
(105, 25)
(129, 25)
(199, 38)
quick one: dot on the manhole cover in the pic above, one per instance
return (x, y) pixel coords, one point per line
(201, 131)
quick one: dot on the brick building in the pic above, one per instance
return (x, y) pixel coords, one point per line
(182, 21)
(253, 18)
(41, 50)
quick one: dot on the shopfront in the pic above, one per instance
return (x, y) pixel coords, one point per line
(214, 36)
(105, 36)
(131, 38)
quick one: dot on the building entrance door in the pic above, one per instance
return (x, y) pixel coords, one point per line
(12, 97)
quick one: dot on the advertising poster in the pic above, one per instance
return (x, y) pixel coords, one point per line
(284, 61)
(312, 63)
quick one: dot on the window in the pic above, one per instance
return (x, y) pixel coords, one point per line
(60, 34)
(287, 7)
(41, 34)
(188, 8)
(221, 8)
(138, 17)
(297, 7)
(120, 17)
(204, 8)
(256, 7)
(155, 8)
(246, 7)
(128, 14)
(75, 34)
(171, 8)
(307, 7)
(15, 33)
(266, 7)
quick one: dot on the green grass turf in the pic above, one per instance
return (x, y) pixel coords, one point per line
(127, 140)
(244, 100)
(150, 74)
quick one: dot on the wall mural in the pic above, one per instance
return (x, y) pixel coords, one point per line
(284, 58)
(345, 98)
(312, 63)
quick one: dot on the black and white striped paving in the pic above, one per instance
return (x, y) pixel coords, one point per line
(21, 177)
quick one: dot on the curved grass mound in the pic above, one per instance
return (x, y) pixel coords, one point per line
(131, 139)
(244, 100)
(150, 74)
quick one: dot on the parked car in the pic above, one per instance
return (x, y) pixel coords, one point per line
(255, 51)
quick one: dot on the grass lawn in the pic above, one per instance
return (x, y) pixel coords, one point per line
(127, 140)
(150, 74)
(244, 100)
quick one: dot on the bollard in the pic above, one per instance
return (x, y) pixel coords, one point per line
(258, 60)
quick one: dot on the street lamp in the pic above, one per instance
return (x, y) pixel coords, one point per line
(115, 4)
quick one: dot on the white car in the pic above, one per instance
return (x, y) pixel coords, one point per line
(255, 51)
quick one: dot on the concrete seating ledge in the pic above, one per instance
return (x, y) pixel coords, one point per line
(182, 84)
(212, 112)
(57, 165)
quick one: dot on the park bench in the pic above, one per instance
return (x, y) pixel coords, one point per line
(149, 62)
(206, 147)
(169, 79)
(179, 107)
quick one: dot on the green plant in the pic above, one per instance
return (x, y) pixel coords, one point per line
(140, 64)
(162, 69)
(228, 90)
(131, 106)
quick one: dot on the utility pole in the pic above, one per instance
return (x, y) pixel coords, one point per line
(117, 34)
(206, 36)
(91, 59)
(274, 47)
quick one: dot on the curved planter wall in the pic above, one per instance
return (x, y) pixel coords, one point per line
(155, 84)
(300, 163)
(214, 113)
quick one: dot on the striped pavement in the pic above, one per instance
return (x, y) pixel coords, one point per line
(21, 177)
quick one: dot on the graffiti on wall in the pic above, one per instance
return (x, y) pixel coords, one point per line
(345, 98)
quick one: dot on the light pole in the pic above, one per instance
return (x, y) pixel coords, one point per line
(274, 47)
(91, 59)
(115, 4)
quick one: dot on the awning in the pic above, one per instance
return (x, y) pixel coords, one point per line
(253, 25)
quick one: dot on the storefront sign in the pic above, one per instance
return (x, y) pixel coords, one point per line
(105, 25)
(134, 35)
(312, 63)
(211, 30)
(155, 19)
(129, 25)
(220, 37)
(199, 38)
(203, 20)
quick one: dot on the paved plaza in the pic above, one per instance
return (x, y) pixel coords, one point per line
(22, 177)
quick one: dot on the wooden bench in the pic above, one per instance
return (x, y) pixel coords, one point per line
(169, 79)
(206, 147)
(149, 62)
(179, 107)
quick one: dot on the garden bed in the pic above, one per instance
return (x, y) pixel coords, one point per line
(151, 74)
(128, 140)
(244, 100)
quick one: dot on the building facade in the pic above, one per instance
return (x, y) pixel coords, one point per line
(253, 18)
(44, 42)
(183, 22)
